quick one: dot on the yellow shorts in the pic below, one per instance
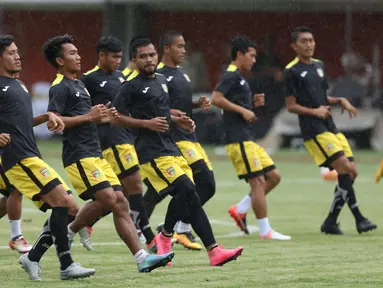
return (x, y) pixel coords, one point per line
(4, 183)
(193, 152)
(249, 159)
(33, 177)
(90, 175)
(123, 159)
(327, 147)
(163, 171)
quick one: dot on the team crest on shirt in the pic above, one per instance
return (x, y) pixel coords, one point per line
(330, 147)
(121, 79)
(257, 162)
(165, 87)
(44, 172)
(129, 157)
(187, 77)
(320, 72)
(171, 171)
(191, 153)
(96, 174)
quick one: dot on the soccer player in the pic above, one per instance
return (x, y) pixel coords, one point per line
(11, 204)
(251, 162)
(180, 95)
(103, 83)
(306, 95)
(90, 174)
(145, 97)
(25, 169)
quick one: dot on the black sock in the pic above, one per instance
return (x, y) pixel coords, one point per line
(42, 244)
(99, 218)
(59, 229)
(337, 204)
(205, 185)
(140, 219)
(173, 214)
(151, 199)
(200, 222)
(353, 204)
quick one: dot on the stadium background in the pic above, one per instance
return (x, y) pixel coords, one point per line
(299, 204)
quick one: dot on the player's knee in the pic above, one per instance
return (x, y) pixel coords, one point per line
(109, 199)
(185, 190)
(257, 183)
(15, 194)
(73, 208)
(274, 176)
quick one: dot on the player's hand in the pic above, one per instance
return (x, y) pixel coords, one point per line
(204, 103)
(5, 139)
(97, 112)
(323, 112)
(158, 124)
(177, 113)
(249, 115)
(186, 123)
(54, 123)
(346, 105)
(112, 115)
(259, 100)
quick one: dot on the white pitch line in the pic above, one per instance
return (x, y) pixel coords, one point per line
(252, 230)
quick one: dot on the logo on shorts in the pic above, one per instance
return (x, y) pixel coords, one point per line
(44, 172)
(171, 171)
(330, 147)
(191, 153)
(96, 174)
(257, 162)
(129, 157)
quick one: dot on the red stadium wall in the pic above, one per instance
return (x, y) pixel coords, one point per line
(32, 28)
(207, 31)
(211, 32)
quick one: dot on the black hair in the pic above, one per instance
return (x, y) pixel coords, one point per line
(109, 44)
(53, 48)
(141, 42)
(297, 31)
(134, 39)
(241, 44)
(168, 38)
(5, 41)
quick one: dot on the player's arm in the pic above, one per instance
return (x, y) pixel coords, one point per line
(346, 105)
(219, 100)
(58, 100)
(292, 106)
(54, 123)
(203, 102)
(123, 102)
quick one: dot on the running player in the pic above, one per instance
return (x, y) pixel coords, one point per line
(103, 83)
(251, 162)
(180, 95)
(90, 174)
(144, 96)
(25, 169)
(306, 95)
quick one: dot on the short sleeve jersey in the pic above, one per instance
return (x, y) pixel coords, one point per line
(103, 87)
(308, 84)
(70, 98)
(181, 98)
(236, 89)
(145, 98)
(16, 119)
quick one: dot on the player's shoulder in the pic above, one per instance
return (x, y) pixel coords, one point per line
(231, 72)
(292, 64)
(60, 84)
(91, 71)
(318, 62)
(126, 72)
